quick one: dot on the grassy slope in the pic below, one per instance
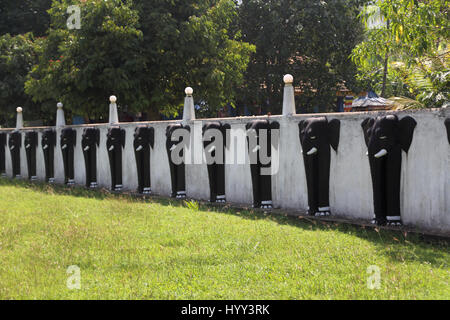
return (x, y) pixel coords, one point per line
(134, 249)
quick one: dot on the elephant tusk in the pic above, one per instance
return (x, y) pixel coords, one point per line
(45, 147)
(312, 151)
(64, 146)
(380, 154)
(139, 148)
(87, 148)
(111, 148)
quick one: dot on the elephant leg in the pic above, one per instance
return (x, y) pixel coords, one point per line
(33, 164)
(17, 162)
(323, 187)
(29, 164)
(139, 167)
(255, 170)
(65, 165)
(393, 175)
(220, 182)
(87, 167)
(311, 182)
(112, 168)
(181, 181)
(377, 169)
(212, 176)
(71, 165)
(146, 170)
(118, 167)
(265, 185)
(51, 163)
(46, 164)
(173, 171)
(93, 165)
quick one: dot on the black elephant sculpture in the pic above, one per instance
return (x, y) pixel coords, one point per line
(15, 143)
(48, 143)
(177, 169)
(31, 143)
(386, 137)
(68, 142)
(115, 142)
(144, 140)
(316, 137)
(2, 153)
(90, 141)
(259, 166)
(447, 125)
(215, 156)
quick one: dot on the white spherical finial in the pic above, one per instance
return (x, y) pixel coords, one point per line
(59, 105)
(19, 109)
(113, 99)
(189, 91)
(288, 79)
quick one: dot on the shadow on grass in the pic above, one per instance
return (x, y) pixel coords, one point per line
(397, 245)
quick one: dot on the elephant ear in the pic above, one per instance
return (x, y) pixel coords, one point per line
(447, 125)
(122, 137)
(301, 130)
(367, 125)
(274, 125)
(407, 126)
(334, 129)
(226, 128)
(204, 129)
(151, 136)
(274, 139)
(97, 137)
(74, 137)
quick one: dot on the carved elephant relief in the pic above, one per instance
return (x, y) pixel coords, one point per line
(317, 135)
(386, 137)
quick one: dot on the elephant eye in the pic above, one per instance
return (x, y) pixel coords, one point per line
(383, 138)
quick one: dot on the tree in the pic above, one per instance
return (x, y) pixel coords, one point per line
(18, 17)
(310, 39)
(192, 43)
(82, 68)
(17, 56)
(145, 52)
(415, 46)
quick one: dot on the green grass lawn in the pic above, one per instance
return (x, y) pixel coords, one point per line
(158, 249)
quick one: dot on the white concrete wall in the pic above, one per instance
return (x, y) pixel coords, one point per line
(425, 192)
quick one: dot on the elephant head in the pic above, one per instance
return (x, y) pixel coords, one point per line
(387, 132)
(90, 138)
(318, 133)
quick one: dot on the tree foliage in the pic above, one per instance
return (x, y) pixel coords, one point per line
(145, 52)
(310, 39)
(17, 56)
(83, 67)
(414, 36)
(19, 17)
